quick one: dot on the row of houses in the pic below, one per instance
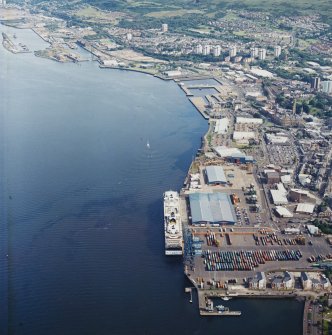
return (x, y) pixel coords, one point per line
(286, 281)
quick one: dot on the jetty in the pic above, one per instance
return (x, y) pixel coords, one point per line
(206, 306)
(13, 47)
(200, 105)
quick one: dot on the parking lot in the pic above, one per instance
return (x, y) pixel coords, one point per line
(282, 155)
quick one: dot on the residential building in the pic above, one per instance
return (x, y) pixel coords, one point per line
(277, 51)
(216, 50)
(258, 282)
(327, 86)
(232, 51)
(286, 282)
(315, 83)
(262, 54)
(199, 49)
(306, 281)
(206, 50)
(254, 53)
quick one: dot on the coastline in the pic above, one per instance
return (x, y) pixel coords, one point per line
(202, 147)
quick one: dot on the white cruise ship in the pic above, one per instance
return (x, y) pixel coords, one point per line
(173, 226)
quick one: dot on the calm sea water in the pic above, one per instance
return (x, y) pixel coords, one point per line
(81, 205)
(201, 92)
(211, 82)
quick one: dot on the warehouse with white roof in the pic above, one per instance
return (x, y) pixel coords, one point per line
(223, 151)
(233, 155)
(215, 175)
(283, 212)
(279, 196)
(305, 208)
(277, 139)
(213, 208)
(241, 119)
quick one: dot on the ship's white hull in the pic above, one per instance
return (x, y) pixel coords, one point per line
(172, 224)
(173, 252)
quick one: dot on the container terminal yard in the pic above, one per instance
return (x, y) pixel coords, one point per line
(236, 243)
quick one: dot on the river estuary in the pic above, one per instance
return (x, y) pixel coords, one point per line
(82, 240)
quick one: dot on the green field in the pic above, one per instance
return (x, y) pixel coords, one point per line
(178, 7)
(173, 13)
(239, 33)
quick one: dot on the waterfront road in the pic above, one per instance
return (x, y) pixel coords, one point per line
(312, 318)
(305, 318)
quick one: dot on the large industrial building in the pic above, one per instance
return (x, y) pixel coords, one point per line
(213, 208)
(283, 212)
(233, 155)
(298, 195)
(247, 120)
(272, 177)
(279, 196)
(280, 139)
(305, 208)
(215, 175)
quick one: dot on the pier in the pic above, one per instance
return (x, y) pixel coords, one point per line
(204, 297)
(186, 90)
(199, 104)
(12, 47)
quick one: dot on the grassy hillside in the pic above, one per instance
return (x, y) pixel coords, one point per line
(168, 7)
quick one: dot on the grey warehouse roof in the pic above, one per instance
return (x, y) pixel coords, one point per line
(211, 207)
(215, 174)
